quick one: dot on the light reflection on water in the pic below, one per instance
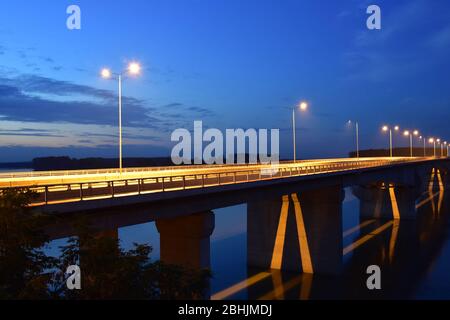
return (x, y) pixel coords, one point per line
(393, 249)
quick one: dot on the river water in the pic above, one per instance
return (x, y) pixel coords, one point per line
(414, 257)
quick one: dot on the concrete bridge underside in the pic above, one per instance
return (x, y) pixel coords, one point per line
(293, 224)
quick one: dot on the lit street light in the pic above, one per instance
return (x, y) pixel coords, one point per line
(303, 106)
(406, 134)
(433, 141)
(415, 133)
(424, 145)
(410, 134)
(133, 69)
(357, 137)
(439, 144)
(386, 129)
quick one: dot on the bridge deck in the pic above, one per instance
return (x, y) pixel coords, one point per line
(74, 186)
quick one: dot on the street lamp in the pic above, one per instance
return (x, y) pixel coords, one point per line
(386, 129)
(133, 68)
(410, 134)
(439, 144)
(357, 136)
(433, 141)
(415, 133)
(424, 145)
(303, 106)
(406, 134)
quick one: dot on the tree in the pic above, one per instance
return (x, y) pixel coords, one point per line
(107, 270)
(23, 264)
(110, 272)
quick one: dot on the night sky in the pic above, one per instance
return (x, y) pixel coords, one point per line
(231, 63)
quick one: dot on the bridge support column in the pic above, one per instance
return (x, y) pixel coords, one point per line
(387, 201)
(185, 240)
(298, 232)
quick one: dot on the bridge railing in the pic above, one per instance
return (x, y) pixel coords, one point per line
(59, 173)
(84, 191)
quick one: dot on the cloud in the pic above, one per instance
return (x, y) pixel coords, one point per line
(47, 59)
(182, 109)
(24, 99)
(25, 130)
(441, 39)
(372, 58)
(46, 135)
(41, 100)
(28, 132)
(201, 111)
(173, 105)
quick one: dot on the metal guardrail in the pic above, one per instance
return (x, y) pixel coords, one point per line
(68, 173)
(84, 191)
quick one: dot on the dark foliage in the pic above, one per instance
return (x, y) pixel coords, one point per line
(107, 270)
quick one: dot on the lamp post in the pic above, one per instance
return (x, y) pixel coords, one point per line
(133, 69)
(433, 141)
(424, 145)
(416, 134)
(408, 133)
(385, 129)
(439, 144)
(303, 106)
(357, 136)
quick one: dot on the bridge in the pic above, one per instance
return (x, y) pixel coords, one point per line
(294, 209)
(73, 191)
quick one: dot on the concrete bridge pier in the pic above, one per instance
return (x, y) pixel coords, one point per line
(297, 232)
(185, 240)
(387, 201)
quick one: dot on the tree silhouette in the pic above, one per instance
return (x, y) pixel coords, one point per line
(23, 265)
(107, 270)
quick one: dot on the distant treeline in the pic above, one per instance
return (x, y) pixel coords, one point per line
(397, 152)
(67, 163)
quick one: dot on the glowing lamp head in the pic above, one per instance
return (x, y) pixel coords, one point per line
(396, 128)
(438, 140)
(303, 106)
(385, 128)
(406, 133)
(134, 68)
(431, 140)
(416, 132)
(106, 73)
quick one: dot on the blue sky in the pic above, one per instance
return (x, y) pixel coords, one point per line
(230, 63)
